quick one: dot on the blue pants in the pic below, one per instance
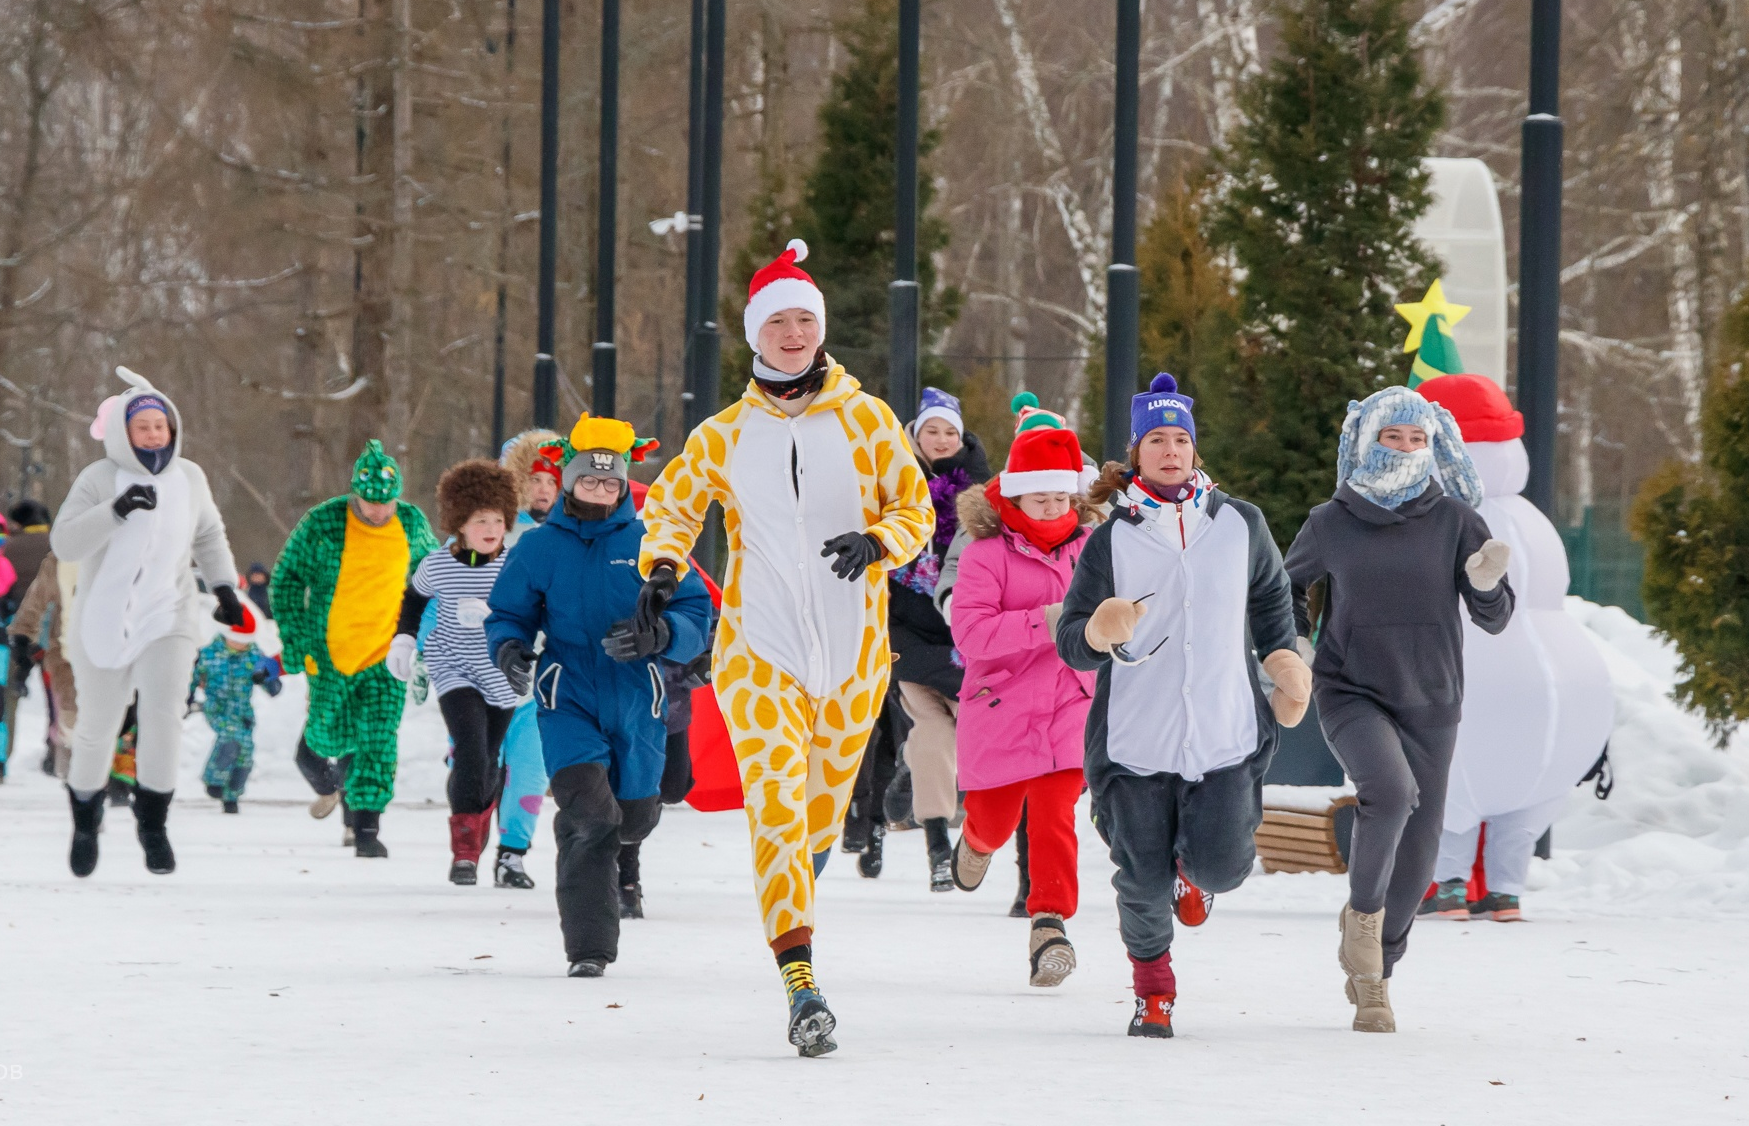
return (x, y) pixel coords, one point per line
(525, 782)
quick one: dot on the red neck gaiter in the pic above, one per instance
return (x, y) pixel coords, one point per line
(1046, 535)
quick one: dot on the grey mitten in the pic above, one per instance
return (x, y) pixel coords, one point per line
(1488, 564)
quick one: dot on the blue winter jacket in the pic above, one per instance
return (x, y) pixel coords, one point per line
(574, 579)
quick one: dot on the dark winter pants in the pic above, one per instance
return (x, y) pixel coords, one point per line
(476, 732)
(1049, 804)
(676, 784)
(1157, 823)
(589, 827)
(1400, 773)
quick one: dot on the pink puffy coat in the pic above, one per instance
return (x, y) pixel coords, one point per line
(1022, 710)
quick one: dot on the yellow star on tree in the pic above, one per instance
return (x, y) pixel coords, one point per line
(1432, 305)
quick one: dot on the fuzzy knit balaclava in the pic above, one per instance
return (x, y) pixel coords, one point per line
(1388, 477)
(780, 285)
(375, 476)
(1161, 405)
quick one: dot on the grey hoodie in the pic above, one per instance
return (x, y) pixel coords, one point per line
(1391, 636)
(151, 593)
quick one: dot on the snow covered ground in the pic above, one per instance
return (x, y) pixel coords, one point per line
(275, 978)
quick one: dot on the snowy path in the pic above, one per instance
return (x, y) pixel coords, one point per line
(274, 978)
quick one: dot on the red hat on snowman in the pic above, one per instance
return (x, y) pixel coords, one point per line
(1481, 408)
(780, 285)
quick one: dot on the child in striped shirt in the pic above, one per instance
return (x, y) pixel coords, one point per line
(476, 502)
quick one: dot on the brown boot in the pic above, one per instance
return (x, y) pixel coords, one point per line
(1361, 953)
(969, 865)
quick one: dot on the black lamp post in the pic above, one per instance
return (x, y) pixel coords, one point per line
(904, 298)
(546, 383)
(603, 357)
(1123, 292)
(1539, 256)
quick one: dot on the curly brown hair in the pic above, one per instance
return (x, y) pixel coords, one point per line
(471, 486)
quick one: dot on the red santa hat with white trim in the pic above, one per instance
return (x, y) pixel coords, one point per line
(780, 285)
(1043, 459)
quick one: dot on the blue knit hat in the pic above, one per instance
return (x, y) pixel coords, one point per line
(1161, 405)
(140, 403)
(939, 404)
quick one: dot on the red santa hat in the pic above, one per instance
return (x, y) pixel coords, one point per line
(1481, 408)
(245, 633)
(1044, 459)
(778, 286)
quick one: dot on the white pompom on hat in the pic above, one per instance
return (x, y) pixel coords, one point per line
(780, 285)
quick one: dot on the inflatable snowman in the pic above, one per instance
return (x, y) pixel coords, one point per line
(1538, 708)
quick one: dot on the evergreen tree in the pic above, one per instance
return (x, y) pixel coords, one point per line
(1694, 522)
(847, 215)
(1323, 184)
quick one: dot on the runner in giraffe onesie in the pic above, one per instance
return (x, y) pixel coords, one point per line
(821, 499)
(336, 593)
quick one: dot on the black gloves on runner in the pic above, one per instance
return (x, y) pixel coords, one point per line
(516, 661)
(653, 599)
(855, 551)
(229, 611)
(137, 496)
(627, 642)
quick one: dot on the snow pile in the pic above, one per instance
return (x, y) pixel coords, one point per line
(1674, 834)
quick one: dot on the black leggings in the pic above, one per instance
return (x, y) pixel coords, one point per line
(477, 731)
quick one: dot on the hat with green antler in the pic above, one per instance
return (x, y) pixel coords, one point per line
(375, 476)
(610, 445)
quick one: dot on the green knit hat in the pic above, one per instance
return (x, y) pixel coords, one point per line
(375, 476)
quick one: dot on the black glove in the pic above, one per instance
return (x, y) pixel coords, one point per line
(259, 676)
(626, 642)
(229, 611)
(698, 670)
(855, 551)
(137, 496)
(516, 662)
(657, 591)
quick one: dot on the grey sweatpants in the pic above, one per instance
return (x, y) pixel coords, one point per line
(1400, 773)
(1158, 822)
(160, 674)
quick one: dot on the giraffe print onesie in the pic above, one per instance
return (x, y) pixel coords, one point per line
(801, 659)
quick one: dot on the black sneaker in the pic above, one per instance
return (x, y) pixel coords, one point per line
(231, 807)
(587, 967)
(811, 1023)
(465, 873)
(631, 901)
(869, 863)
(509, 872)
(1447, 901)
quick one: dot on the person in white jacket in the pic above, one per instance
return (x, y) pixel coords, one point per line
(133, 522)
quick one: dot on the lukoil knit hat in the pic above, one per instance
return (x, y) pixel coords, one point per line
(1043, 459)
(939, 404)
(1481, 408)
(375, 476)
(780, 285)
(1161, 405)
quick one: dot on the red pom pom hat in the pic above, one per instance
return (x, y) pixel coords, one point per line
(781, 285)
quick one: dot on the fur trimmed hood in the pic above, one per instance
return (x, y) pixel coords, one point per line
(470, 486)
(978, 517)
(518, 457)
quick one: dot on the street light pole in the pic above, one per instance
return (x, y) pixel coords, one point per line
(603, 357)
(904, 297)
(546, 382)
(1123, 293)
(704, 341)
(691, 413)
(1539, 256)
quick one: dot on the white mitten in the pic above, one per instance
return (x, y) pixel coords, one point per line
(402, 650)
(1487, 565)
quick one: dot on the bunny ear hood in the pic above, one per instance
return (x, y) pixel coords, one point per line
(110, 426)
(1390, 477)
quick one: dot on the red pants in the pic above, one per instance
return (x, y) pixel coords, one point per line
(1049, 801)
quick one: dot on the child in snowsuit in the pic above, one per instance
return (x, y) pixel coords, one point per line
(1397, 552)
(1170, 598)
(821, 499)
(928, 670)
(137, 523)
(537, 479)
(476, 503)
(1022, 710)
(336, 593)
(598, 683)
(227, 671)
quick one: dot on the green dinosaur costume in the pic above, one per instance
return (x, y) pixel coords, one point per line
(336, 594)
